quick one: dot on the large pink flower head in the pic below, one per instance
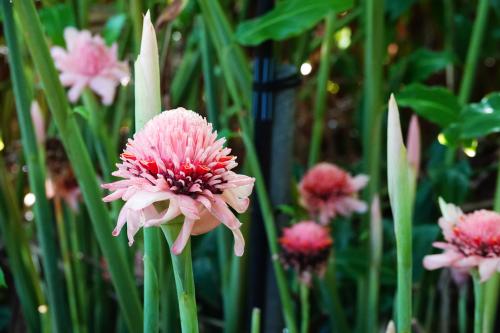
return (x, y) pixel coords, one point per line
(472, 241)
(177, 159)
(306, 247)
(326, 190)
(88, 62)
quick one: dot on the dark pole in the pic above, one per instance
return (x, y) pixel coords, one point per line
(262, 111)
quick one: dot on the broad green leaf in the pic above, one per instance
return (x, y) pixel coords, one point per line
(82, 111)
(480, 119)
(289, 18)
(54, 19)
(113, 28)
(436, 104)
(419, 65)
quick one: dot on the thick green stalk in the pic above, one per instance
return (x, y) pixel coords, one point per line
(478, 302)
(398, 179)
(136, 18)
(320, 101)
(147, 105)
(255, 321)
(492, 287)
(184, 281)
(121, 274)
(304, 308)
(372, 128)
(474, 51)
(36, 175)
(373, 109)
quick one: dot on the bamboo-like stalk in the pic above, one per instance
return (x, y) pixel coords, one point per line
(474, 51)
(148, 105)
(372, 134)
(321, 98)
(463, 294)
(398, 179)
(36, 175)
(304, 308)
(121, 274)
(478, 302)
(184, 281)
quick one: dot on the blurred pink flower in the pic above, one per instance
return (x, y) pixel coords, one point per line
(472, 241)
(177, 158)
(88, 62)
(306, 246)
(326, 190)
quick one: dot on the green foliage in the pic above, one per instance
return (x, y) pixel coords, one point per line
(54, 19)
(436, 104)
(480, 119)
(3, 284)
(288, 18)
(114, 28)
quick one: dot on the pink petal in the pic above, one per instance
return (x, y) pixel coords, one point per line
(206, 223)
(359, 182)
(188, 207)
(239, 242)
(183, 236)
(134, 223)
(413, 144)
(167, 215)
(239, 203)
(445, 259)
(104, 87)
(76, 90)
(73, 37)
(142, 199)
(487, 268)
(224, 214)
(38, 122)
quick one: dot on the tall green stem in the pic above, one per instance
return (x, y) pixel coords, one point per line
(462, 308)
(121, 275)
(304, 308)
(375, 262)
(255, 321)
(43, 215)
(184, 281)
(478, 302)
(372, 135)
(320, 101)
(474, 51)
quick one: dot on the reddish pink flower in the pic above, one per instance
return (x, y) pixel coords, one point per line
(472, 241)
(326, 190)
(306, 247)
(177, 158)
(88, 62)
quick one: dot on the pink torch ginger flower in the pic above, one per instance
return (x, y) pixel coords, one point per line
(88, 62)
(471, 241)
(177, 157)
(326, 190)
(306, 247)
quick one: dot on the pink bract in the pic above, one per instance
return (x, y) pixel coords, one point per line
(327, 191)
(177, 159)
(306, 246)
(471, 241)
(88, 62)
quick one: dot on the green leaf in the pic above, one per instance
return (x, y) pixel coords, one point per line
(54, 19)
(2, 279)
(82, 111)
(113, 28)
(481, 119)
(419, 65)
(289, 18)
(436, 104)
